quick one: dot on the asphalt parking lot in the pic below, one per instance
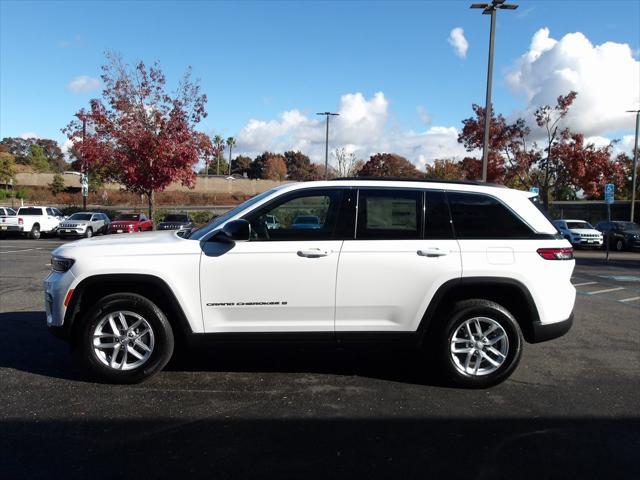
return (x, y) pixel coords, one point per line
(571, 408)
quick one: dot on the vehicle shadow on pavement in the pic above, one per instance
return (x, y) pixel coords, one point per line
(26, 345)
(406, 365)
(336, 448)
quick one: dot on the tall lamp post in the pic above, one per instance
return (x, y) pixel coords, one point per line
(634, 173)
(490, 9)
(326, 143)
(84, 177)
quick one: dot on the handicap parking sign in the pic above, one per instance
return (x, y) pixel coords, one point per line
(609, 191)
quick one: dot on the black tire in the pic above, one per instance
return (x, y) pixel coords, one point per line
(131, 302)
(88, 233)
(466, 310)
(35, 232)
(619, 245)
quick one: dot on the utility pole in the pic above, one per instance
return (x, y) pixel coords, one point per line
(326, 144)
(634, 173)
(490, 9)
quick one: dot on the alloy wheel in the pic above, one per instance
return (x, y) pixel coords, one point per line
(479, 346)
(123, 340)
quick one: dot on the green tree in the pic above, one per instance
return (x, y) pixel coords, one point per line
(7, 168)
(241, 165)
(230, 143)
(37, 159)
(57, 185)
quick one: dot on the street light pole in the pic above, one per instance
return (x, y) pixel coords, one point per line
(326, 143)
(84, 179)
(490, 9)
(634, 173)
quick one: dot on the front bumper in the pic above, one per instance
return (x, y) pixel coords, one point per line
(56, 286)
(548, 331)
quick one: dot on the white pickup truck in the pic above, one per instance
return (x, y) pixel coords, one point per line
(33, 221)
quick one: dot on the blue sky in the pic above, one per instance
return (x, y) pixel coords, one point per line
(259, 59)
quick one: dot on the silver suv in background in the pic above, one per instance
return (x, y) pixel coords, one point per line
(84, 224)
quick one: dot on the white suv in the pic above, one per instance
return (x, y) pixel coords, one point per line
(465, 270)
(579, 233)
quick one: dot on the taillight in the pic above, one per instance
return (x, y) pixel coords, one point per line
(20, 221)
(556, 253)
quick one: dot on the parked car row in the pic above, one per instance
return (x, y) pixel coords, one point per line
(621, 235)
(33, 221)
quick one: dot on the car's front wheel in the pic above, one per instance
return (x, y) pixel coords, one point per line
(480, 344)
(619, 245)
(88, 233)
(125, 338)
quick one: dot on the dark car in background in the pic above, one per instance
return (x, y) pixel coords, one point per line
(621, 235)
(306, 222)
(176, 221)
(130, 223)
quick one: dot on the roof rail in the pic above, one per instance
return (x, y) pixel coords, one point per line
(419, 179)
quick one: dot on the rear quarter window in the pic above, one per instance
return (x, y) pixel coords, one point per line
(477, 216)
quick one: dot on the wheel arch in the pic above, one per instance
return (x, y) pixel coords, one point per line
(508, 292)
(92, 288)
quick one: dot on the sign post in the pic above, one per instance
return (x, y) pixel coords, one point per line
(609, 197)
(84, 180)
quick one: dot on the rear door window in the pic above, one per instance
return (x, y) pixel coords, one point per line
(385, 214)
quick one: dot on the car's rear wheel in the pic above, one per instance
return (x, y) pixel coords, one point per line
(35, 232)
(480, 344)
(126, 338)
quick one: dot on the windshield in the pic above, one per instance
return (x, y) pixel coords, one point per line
(626, 226)
(216, 222)
(575, 225)
(176, 218)
(128, 216)
(80, 216)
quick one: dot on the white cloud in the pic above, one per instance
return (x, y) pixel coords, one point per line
(26, 135)
(606, 77)
(425, 116)
(84, 83)
(362, 128)
(458, 42)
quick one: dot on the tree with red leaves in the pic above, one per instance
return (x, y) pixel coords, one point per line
(549, 118)
(139, 135)
(389, 165)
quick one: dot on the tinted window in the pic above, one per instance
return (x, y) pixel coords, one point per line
(128, 216)
(574, 225)
(481, 216)
(30, 211)
(80, 216)
(307, 215)
(389, 214)
(177, 217)
(437, 218)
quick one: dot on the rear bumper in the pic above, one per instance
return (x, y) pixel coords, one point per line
(548, 331)
(10, 229)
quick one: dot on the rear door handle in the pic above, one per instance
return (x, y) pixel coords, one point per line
(432, 252)
(313, 253)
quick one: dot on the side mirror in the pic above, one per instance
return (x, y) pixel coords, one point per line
(234, 231)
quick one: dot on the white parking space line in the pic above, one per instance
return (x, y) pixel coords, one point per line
(584, 283)
(605, 290)
(629, 299)
(24, 250)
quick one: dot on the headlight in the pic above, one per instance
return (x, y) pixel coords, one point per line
(61, 264)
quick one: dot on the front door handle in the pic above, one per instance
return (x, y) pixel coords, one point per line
(313, 253)
(432, 252)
